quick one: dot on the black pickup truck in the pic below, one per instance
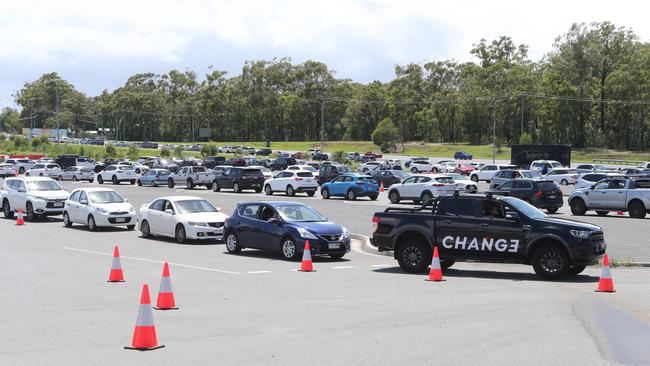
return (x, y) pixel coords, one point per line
(482, 227)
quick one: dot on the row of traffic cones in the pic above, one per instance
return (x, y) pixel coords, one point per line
(605, 282)
(144, 335)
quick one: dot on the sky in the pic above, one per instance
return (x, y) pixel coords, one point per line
(97, 45)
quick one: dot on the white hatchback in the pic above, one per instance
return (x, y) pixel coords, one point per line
(45, 170)
(98, 207)
(292, 182)
(182, 218)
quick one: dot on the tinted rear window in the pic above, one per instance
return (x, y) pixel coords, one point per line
(546, 186)
(304, 174)
(198, 169)
(459, 207)
(594, 177)
(251, 172)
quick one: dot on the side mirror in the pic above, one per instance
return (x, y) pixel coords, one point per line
(512, 216)
(592, 187)
(169, 211)
(21, 190)
(83, 202)
(274, 221)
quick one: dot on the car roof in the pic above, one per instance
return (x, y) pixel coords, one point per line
(179, 198)
(95, 189)
(273, 203)
(31, 179)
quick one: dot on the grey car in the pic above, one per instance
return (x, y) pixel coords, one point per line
(76, 173)
(507, 175)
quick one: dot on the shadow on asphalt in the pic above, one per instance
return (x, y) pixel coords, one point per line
(105, 229)
(496, 275)
(165, 239)
(263, 254)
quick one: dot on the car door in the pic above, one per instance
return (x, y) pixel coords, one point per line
(504, 236)
(280, 184)
(246, 224)
(598, 195)
(81, 213)
(487, 172)
(520, 189)
(17, 198)
(268, 235)
(616, 194)
(335, 186)
(457, 226)
(152, 215)
(71, 205)
(228, 177)
(168, 220)
(407, 186)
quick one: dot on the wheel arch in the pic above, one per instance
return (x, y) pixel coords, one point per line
(410, 233)
(635, 200)
(545, 240)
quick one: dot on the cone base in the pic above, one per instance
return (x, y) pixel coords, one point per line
(109, 281)
(604, 291)
(157, 308)
(303, 270)
(144, 349)
(430, 280)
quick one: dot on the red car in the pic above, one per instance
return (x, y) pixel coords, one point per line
(371, 154)
(464, 169)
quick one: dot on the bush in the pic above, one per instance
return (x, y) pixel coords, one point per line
(209, 149)
(36, 142)
(165, 153)
(19, 142)
(525, 138)
(178, 151)
(339, 157)
(111, 151)
(386, 135)
(133, 152)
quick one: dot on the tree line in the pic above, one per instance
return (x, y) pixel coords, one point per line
(592, 89)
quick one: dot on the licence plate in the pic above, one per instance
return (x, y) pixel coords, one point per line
(120, 219)
(57, 204)
(552, 196)
(219, 230)
(334, 245)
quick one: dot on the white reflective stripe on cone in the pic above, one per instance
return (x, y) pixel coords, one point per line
(116, 263)
(166, 285)
(435, 263)
(145, 316)
(306, 255)
(606, 273)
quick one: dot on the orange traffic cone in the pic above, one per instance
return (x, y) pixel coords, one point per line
(435, 273)
(165, 294)
(116, 274)
(20, 220)
(306, 265)
(620, 213)
(381, 186)
(605, 283)
(144, 335)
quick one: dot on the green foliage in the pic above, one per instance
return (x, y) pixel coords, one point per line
(111, 152)
(164, 152)
(525, 138)
(19, 142)
(133, 152)
(386, 135)
(36, 143)
(209, 149)
(178, 151)
(339, 157)
(10, 119)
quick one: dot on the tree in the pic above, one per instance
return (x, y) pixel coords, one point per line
(386, 135)
(209, 149)
(164, 152)
(525, 138)
(178, 151)
(10, 120)
(133, 152)
(111, 151)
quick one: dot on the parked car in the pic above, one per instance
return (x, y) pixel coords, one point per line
(447, 166)
(264, 152)
(76, 173)
(98, 207)
(150, 145)
(462, 183)
(238, 179)
(328, 172)
(373, 155)
(154, 177)
(236, 162)
(292, 182)
(506, 175)
(320, 156)
(464, 169)
(45, 170)
(589, 179)
(593, 168)
(21, 165)
(282, 163)
(284, 227)
(461, 155)
(306, 167)
(389, 177)
(408, 162)
(487, 172)
(370, 167)
(36, 196)
(635, 172)
(421, 188)
(182, 218)
(613, 194)
(219, 170)
(190, 177)
(211, 161)
(562, 176)
(544, 194)
(7, 170)
(424, 166)
(117, 174)
(350, 186)
(544, 166)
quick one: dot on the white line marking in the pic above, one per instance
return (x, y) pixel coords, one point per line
(256, 272)
(153, 261)
(342, 267)
(381, 265)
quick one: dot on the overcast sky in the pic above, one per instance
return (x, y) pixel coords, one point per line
(98, 46)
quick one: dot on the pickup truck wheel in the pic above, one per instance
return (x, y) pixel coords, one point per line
(114, 180)
(190, 184)
(100, 180)
(170, 183)
(551, 262)
(6, 210)
(290, 191)
(139, 183)
(474, 178)
(552, 209)
(602, 213)
(215, 187)
(413, 256)
(575, 270)
(578, 207)
(636, 210)
(325, 193)
(268, 190)
(393, 196)
(414, 170)
(351, 195)
(236, 187)
(232, 243)
(426, 196)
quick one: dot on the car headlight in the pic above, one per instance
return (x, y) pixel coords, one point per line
(131, 209)
(101, 210)
(582, 234)
(202, 224)
(306, 233)
(346, 233)
(39, 198)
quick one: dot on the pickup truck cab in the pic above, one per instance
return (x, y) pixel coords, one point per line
(190, 177)
(613, 194)
(482, 227)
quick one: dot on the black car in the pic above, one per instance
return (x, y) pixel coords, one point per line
(328, 172)
(211, 161)
(236, 162)
(282, 163)
(149, 145)
(320, 156)
(544, 194)
(284, 227)
(238, 179)
(388, 177)
(487, 228)
(264, 152)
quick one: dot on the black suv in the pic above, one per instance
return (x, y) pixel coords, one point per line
(238, 179)
(211, 161)
(282, 163)
(328, 172)
(264, 152)
(544, 194)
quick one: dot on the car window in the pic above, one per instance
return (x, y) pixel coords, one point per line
(38, 166)
(339, 179)
(602, 185)
(489, 167)
(52, 166)
(44, 185)
(18, 185)
(423, 179)
(506, 185)
(193, 206)
(493, 209)
(83, 196)
(410, 180)
(522, 184)
(105, 197)
(454, 207)
(249, 211)
(157, 205)
(75, 196)
(168, 206)
(305, 174)
(617, 184)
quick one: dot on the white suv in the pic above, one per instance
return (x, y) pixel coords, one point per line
(421, 187)
(370, 167)
(117, 174)
(418, 166)
(292, 182)
(35, 196)
(487, 172)
(45, 170)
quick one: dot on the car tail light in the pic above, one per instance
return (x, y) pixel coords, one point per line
(375, 223)
(538, 194)
(438, 185)
(297, 179)
(157, 177)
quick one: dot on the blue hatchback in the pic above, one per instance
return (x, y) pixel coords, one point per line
(351, 186)
(154, 178)
(284, 227)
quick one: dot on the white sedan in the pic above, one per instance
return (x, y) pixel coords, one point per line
(562, 176)
(98, 207)
(182, 218)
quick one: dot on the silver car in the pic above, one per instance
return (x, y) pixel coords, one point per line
(506, 175)
(78, 173)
